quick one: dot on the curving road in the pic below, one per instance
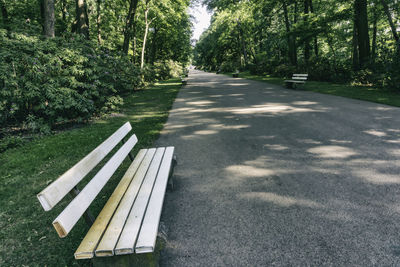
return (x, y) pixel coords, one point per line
(270, 176)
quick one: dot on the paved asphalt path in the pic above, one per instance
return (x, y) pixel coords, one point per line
(271, 176)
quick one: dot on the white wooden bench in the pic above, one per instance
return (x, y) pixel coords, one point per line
(129, 221)
(297, 79)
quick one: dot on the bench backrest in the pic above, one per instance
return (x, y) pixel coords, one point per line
(57, 190)
(300, 77)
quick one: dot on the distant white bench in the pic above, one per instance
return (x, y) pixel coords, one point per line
(129, 221)
(297, 79)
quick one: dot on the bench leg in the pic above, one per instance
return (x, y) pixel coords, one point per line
(171, 172)
(123, 141)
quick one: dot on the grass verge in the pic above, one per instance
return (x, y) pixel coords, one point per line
(367, 93)
(26, 232)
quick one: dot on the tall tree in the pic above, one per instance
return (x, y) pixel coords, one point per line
(362, 34)
(374, 32)
(290, 38)
(98, 21)
(392, 26)
(81, 24)
(147, 23)
(49, 18)
(306, 41)
(316, 36)
(130, 18)
(242, 42)
(4, 14)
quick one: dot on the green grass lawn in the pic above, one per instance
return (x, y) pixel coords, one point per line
(26, 232)
(368, 93)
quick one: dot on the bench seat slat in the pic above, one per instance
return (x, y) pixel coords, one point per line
(148, 233)
(56, 191)
(299, 78)
(133, 223)
(71, 214)
(92, 238)
(114, 229)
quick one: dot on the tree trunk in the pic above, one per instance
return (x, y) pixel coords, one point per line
(4, 14)
(316, 37)
(98, 21)
(49, 19)
(82, 20)
(356, 62)
(392, 26)
(361, 22)
(134, 50)
(243, 44)
(130, 18)
(154, 46)
(42, 14)
(306, 41)
(290, 37)
(374, 32)
(146, 30)
(64, 10)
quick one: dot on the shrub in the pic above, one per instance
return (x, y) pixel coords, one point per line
(284, 70)
(167, 69)
(228, 66)
(47, 82)
(392, 77)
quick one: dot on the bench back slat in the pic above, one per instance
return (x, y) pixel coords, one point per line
(92, 238)
(133, 223)
(299, 78)
(56, 191)
(148, 233)
(300, 75)
(111, 235)
(71, 214)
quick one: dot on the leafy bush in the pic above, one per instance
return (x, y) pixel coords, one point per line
(46, 82)
(228, 66)
(284, 70)
(167, 69)
(392, 77)
(365, 76)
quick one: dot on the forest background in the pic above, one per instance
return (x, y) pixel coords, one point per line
(337, 41)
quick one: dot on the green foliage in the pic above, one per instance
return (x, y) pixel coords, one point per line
(167, 69)
(314, 37)
(46, 82)
(49, 82)
(392, 77)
